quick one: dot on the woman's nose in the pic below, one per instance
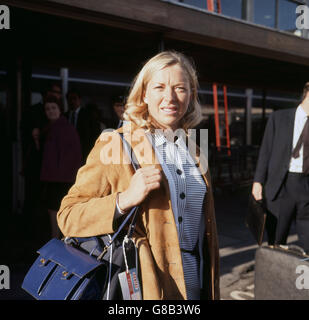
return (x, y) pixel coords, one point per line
(169, 94)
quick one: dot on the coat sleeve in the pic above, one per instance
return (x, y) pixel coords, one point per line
(265, 151)
(89, 207)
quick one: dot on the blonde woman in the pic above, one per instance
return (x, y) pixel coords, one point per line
(176, 232)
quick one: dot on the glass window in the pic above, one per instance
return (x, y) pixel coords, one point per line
(196, 3)
(231, 8)
(264, 12)
(287, 15)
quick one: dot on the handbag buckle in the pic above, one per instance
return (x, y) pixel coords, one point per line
(65, 275)
(43, 262)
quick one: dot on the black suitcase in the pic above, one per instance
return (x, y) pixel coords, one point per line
(256, 219)
(281, 273)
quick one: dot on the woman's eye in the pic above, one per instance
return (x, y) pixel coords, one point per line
(181, 89)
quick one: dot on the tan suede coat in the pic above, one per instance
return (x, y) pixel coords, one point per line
(88, 210)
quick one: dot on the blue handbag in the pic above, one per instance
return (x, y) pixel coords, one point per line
(62, 272)
(84, 268)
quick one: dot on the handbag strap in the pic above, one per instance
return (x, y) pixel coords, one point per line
(133, 212)
(136, 166)
(130, 152)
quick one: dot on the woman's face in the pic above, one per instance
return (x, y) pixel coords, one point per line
(52, 111)
(168, 96)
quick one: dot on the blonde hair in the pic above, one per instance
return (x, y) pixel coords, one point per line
(136, 109)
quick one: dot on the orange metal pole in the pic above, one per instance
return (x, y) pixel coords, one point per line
(215, 97)
(227, 128)
(210, 5)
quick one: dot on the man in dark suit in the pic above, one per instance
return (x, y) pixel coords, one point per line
(282, 173)
(84, 120)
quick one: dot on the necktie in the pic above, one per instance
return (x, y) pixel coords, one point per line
(73, 118)
(303, 140)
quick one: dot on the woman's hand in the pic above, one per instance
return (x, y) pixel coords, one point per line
(143, 181)
(257, 191)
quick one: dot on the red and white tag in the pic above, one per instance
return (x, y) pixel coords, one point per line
(130, 285)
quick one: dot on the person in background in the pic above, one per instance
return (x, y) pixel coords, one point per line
(84, 121)
(118, 103)
(61, 158)
(176, 234)
(32, 121)
(282, 173)
(95, 115)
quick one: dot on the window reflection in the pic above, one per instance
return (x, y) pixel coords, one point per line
(287, 15)
(231, 8)
(265, 12)
(197, 3)
(278, 14)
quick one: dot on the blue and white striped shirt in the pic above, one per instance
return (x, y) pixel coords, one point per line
(187, 189)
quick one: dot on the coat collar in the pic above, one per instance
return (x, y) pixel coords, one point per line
(145, 153)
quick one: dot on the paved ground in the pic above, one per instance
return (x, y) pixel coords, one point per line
(237, 248)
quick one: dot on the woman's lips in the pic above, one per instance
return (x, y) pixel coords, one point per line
(169, 110)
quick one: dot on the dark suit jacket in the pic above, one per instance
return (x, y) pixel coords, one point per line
(275, 152)
(88, 128)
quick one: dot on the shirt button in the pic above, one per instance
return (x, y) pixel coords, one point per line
(179, 171)
(182, 195)
(179, 219)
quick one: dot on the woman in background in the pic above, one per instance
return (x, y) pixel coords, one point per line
(61, 158)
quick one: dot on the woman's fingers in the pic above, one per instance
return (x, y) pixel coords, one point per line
(148, 171)
(153, 186)
(143, 181)
(153, 177)
(149, 174)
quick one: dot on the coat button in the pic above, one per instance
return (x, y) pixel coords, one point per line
(178, 171)
(179, 219)
(182, 195)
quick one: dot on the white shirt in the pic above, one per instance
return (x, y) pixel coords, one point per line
(296, 164)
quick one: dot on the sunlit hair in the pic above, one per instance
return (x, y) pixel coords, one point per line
(136, 110)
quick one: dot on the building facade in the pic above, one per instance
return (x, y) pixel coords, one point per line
(258, 49)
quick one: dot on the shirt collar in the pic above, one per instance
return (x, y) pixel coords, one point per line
(160, 139)
(300, 112)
